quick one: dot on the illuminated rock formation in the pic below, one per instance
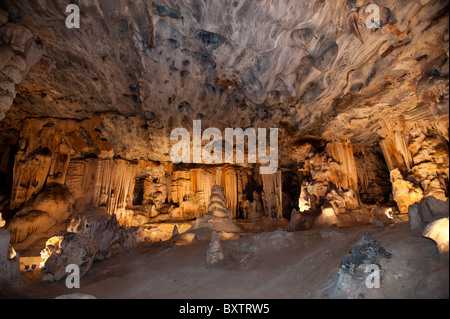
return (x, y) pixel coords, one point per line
(405, 193)
(331, 185)
(438, 231)
(68, 249)
(105, 183)
(191, 189)
(332, 79)
(104, 230)
(51, 206)
(218, 218)
(418, 155)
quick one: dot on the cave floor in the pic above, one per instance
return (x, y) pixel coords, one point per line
(275, 264)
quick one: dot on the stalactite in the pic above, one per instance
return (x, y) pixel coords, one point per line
(393, 158)
(420, 152)
(273, 193)
(395, 145)
(343, 175)
(191, 188)
(108, 183)
(229, 184)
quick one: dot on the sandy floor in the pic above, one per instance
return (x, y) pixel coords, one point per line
(274, 265)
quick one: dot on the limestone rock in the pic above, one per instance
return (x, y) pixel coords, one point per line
(418, 152)
(353, 268)
(256, 210)
(273, 195)
(208, 68)
(191, 189)
(98, 183)
(55, 199)
(303, 220)
(66, 249)
(22, 53)
(327, 218)
(427, 211)
(52, 205)
(331, 179)
(294, 220)
(438, 208)
(405, 194)
(9, 263)
(104, 230)
(47, 278)
(438, 231)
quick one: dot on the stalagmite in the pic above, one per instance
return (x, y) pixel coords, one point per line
(438, 231)
(419, 152)
(218, 217)
(214, 253)
(9, 263)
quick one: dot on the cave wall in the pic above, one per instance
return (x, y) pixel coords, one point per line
(341, 183)
(418, 160)
(87, 161)
(330, 174)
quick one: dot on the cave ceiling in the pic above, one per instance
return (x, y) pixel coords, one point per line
(309, 68)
